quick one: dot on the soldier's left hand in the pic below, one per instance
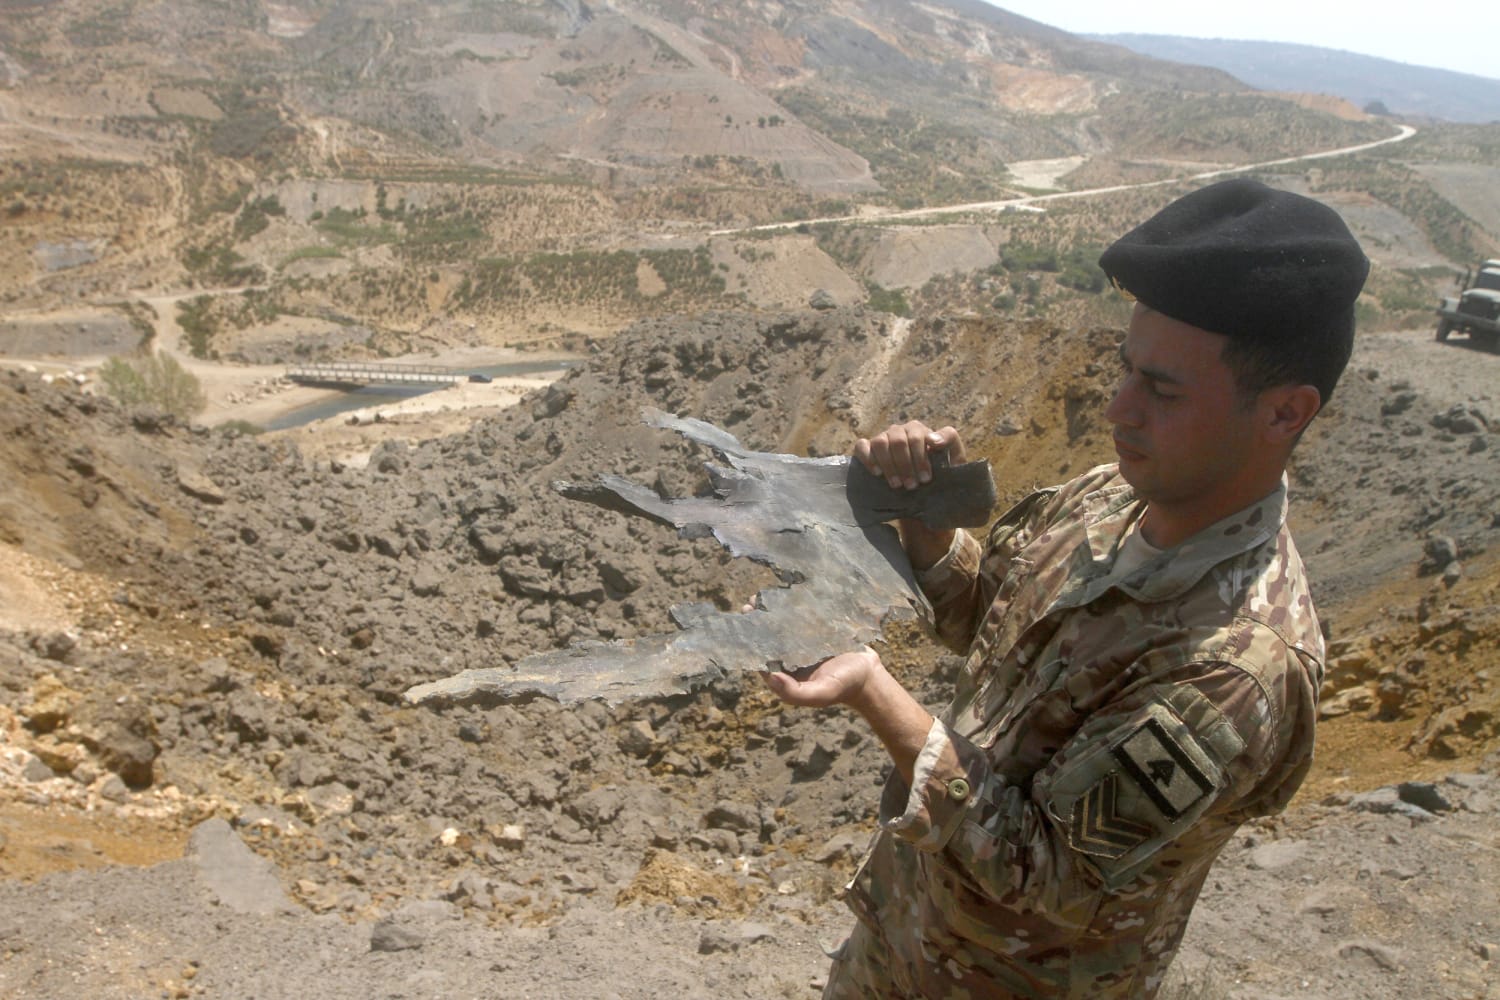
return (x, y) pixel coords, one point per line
(838, 680)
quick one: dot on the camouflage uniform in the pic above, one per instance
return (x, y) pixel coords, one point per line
(1109, 732)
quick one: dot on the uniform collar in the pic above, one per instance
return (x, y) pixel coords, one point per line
(1109, 514)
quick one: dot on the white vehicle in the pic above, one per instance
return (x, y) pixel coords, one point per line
(1476, 311)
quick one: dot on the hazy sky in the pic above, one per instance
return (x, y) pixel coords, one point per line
(1461, 35)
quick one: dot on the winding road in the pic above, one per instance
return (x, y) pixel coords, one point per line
(1405, 132)
(224, 381)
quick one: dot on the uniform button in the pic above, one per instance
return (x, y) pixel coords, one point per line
(958, 789)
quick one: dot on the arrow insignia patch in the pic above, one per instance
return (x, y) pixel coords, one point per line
(1122, 795)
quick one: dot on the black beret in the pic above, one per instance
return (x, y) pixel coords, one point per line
(1244, 260)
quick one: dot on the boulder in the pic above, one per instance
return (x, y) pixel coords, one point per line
(55, 645)
(124, 740)
(389, 935)
(198, 486)
(50, 704)
(822, 300)
(717, 938)
(245, 715)
(637, 738)
(734, 816)
(36, 770)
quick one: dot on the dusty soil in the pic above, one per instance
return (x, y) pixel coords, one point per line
(203, 626)
(1044, 174)
(204, 635)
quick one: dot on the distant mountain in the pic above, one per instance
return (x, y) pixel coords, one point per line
(910, 102)
(393, 159)
(1362, 80)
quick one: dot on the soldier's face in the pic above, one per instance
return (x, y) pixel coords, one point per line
(1185, 437)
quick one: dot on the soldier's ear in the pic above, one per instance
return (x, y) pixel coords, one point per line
(1287, 410)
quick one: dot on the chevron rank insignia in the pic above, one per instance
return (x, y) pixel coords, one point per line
(1098, 828)
(1163, 769)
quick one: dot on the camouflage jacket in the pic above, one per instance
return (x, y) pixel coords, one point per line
(1109, 732)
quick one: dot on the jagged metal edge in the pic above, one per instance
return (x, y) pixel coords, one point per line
(618, 666)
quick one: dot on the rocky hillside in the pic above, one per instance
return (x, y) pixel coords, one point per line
(205, 624)
(527, 170)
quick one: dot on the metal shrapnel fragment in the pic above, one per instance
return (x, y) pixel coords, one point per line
(820, 523)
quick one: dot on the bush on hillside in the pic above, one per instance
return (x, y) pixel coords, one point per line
(153, 380)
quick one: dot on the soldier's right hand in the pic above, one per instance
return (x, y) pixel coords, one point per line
(901, 453)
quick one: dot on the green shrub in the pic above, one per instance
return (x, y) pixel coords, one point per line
(1082, 276)
(218, 264)
(348, 227)
(1406, 290)
(153, 380)
(194, 316)
(256, 215)
(590, 276)
(310, 253)
(1026, 257)
(888, 300)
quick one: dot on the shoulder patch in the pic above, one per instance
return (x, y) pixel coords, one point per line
(1097, 826)
(1162, 767)
(1122, 795)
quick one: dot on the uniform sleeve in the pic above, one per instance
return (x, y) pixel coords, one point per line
(950, 585)
(1173, 762)
(961, 586)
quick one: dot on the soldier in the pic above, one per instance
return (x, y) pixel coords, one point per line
(1143, 658)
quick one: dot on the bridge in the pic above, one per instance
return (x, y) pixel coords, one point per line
(346, 375)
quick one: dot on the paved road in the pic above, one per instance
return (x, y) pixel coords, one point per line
(1406, 132)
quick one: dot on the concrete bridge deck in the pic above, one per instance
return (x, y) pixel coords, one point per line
(360, 373)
